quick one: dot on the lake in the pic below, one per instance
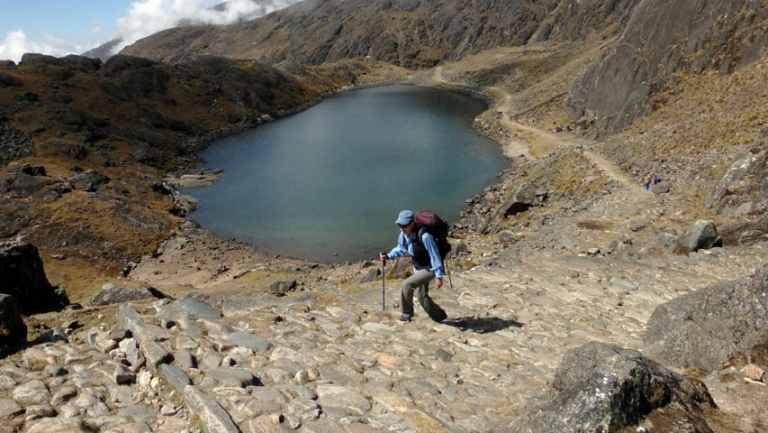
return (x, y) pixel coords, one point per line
(326, 184)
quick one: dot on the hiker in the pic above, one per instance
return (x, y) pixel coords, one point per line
(427, 264)
(648, 179)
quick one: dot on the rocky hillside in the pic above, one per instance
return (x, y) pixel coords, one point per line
(663, 38)
(407, 33)
(98, 139)
(580, 301)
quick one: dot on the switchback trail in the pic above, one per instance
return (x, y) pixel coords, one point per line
(556, 139)
(516, 147)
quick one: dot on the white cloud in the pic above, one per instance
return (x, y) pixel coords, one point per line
(16, 43)
(144, 18)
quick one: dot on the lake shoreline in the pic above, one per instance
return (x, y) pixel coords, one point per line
(192, 176)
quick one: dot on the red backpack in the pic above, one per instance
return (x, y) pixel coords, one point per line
(438, 227)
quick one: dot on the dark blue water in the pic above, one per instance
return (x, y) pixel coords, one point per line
(327, 184)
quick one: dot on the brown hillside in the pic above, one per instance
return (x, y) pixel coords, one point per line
(131, 120)
(407, 33)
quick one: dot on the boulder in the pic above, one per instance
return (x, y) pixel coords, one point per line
(281, 288)
(745, 232)
(114, 294)
(605, 388)
(22, 276)
(20, 184)
(39, 59)
(704, 328)
(741, 191)
(89, 180)
(81, 63)
(526, 196)
(8, 80)
(13, 331)
(120, 62)
(660, 188)
(702, 235)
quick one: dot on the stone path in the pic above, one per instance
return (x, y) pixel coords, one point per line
(329, 360)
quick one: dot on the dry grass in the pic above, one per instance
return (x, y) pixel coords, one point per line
(594, 225)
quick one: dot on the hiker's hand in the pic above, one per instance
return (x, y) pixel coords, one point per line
(438, 282)
(383, 257)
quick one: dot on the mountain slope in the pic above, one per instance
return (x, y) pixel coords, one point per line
(664, 38)
(407, 33)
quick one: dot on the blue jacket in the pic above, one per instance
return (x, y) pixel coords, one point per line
(405, 246)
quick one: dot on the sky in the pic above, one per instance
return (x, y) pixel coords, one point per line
(61, 27)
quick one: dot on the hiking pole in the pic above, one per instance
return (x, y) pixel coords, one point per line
(383, 292)
(448, 273)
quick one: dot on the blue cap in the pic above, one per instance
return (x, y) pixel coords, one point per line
(405, 218)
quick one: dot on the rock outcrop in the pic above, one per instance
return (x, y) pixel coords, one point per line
(705, 328)
(116, 294)
(701, 236)
(741, 191)
(605, 388)
(661, 38)
(13, 143)
(22, 276)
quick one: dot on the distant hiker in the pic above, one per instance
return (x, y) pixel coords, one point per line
(423, 246)
(648, 179)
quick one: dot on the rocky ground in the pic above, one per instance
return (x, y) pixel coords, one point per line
(276, 344)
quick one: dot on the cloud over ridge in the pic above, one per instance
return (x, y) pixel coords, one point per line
(143, 18)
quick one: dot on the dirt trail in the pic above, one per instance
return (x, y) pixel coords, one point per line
(521, 147)
(556, 139)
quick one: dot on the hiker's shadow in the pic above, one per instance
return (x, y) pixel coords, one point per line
(482, 325)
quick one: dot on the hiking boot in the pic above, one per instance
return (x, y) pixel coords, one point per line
(406, 317)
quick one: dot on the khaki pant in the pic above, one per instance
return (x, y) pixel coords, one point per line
(419, 283)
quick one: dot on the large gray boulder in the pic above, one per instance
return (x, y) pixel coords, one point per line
(23, 182)
(22, 276)
(116, 294)
(742, 196)
(605, 388)
(526, 196)
(705, 328)
(701, 236)
(89, 180)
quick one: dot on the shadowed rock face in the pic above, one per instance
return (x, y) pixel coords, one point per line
(661, 38)
(22, 276)
(13, 330)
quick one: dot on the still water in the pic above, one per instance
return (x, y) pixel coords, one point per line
(327, 184)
